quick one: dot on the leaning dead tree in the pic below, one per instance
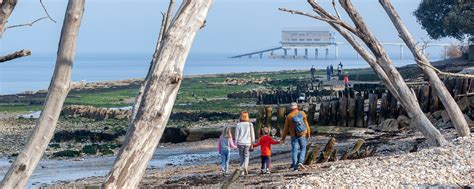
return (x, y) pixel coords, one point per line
(6, 9)
(383, 64)
(14, 55)
(158, 98)
(451, 106)
(28, 159)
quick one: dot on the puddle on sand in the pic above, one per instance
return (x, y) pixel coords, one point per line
(49, 171)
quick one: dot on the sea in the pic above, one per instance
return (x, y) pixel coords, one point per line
(35, 72)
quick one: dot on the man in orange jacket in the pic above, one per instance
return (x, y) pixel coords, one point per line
(296, 125)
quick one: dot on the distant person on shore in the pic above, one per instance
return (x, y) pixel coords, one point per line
(265, 142)
(224, 144)
(339, 69)
(244, 138)
(346, 80)
(328, 73)
(312, 71)
(296, 125)
(331, 70)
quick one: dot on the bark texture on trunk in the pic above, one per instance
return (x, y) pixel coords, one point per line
(6, 9)
(28, 159)
(158, 98)
(448, 101)
(17, 54)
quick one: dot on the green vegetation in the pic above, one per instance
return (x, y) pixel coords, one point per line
(197, 94)
(66, 153)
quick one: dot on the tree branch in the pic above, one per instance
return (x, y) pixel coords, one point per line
(27, 24)
(34, 21)
(311, 16)
(17, 54)
(335, 9)
(46, 11)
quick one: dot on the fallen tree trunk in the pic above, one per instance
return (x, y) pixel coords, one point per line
(158, 98)
(14, 55)
(451, 106)
(26, 162)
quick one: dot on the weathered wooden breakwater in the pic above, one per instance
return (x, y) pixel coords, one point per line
(364, 104)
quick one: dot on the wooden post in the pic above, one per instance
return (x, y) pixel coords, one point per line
(343, 112)
(26, 162)
(393, 107)
(311, 112)
(260, 121)
(323, 113)
(451, 106)
(334, 112)
(313, 155)
(384, 108)
(372, 114)
(425, 98)
(360, 111)
(281, 117)
(327, 151)
(159, 95)
(351, 116)
(268, 116)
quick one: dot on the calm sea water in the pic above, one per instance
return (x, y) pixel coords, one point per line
(34, 73)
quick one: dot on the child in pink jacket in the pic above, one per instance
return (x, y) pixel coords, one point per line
(224, 144)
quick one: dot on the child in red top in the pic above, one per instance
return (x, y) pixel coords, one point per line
(265, 142)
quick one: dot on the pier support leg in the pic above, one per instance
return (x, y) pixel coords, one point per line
(250, 56)
(285, 53)
(327, 53)
(306, 53)
(261, 55)
(316, 53)
(401, 52)
(296, 53)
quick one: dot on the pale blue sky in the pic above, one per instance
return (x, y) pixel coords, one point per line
(233, 26)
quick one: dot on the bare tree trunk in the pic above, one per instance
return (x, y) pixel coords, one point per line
(451, 106)
(28, 159)
(14, 55)
(408, 100)
(163, 28)
(381, 64)
(158, 98)
(6, 9)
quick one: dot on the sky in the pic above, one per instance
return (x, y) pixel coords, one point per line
(233, 26)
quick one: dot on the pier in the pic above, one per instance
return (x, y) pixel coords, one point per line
(318, 40)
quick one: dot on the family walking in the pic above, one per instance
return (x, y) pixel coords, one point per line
(296, 126)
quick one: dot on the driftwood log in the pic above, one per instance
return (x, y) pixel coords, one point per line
(158, 98)
(26, 162)
(14, 55)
